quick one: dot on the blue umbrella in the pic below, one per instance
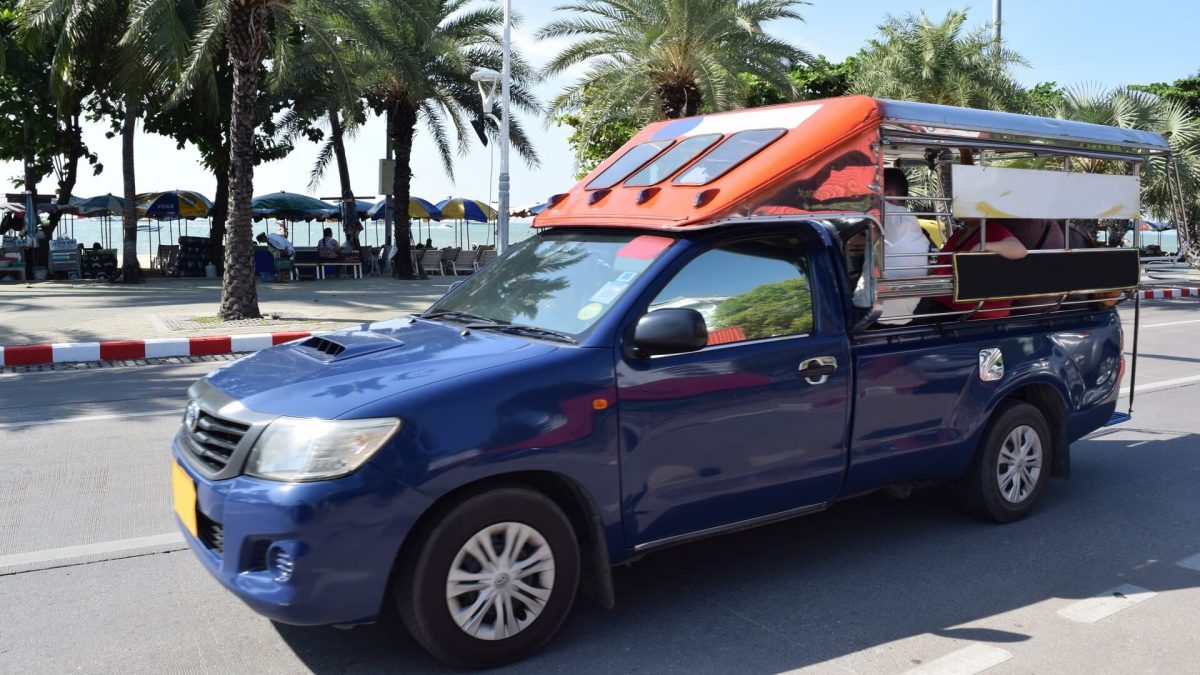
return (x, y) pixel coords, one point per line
(104, 205)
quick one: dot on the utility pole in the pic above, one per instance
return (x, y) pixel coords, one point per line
(996, 21)
(505, 76)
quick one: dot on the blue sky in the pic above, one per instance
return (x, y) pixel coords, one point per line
(1107, 42)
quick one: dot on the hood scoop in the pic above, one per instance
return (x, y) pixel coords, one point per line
(342, 346)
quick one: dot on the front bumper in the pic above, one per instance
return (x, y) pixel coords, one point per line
(340, 538)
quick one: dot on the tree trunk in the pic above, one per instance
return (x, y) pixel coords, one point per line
(402, 118)
(246, 35)
(31, 183)
(679, 99)
(349, 208)
(217, 215)
(70, 173)
(131, 271)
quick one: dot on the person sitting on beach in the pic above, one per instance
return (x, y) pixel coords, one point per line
(329, 248)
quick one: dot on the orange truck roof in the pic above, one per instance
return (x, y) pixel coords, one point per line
(815, 156)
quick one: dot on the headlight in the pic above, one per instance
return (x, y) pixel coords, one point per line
(293, 449)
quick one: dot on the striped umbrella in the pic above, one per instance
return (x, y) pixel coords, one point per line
(460, 208)
(417, 208)
(173, 204)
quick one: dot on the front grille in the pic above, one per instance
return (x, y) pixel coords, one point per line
(214, 439)
(211, 534)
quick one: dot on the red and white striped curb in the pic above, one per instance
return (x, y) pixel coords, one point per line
(1165, 293)
(116, 350)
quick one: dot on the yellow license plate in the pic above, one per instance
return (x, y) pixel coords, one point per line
(183, 492)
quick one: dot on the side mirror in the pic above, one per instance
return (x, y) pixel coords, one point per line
(670, 331)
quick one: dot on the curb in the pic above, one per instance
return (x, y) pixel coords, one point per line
(1166, 293)
(115, 350)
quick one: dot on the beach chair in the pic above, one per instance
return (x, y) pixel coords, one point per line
(486, 256)
(431, 260)
(159, 261)
(448, 255)
(464, 262)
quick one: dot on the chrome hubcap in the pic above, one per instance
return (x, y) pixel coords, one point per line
(1020, 464)
(500, 581)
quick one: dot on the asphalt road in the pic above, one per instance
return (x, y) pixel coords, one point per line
(93, 578)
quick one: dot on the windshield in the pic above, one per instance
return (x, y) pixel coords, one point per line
(558, 281)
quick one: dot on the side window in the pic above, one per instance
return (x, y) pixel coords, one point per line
(747, 290)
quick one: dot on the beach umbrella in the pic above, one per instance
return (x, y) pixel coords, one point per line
(459, 208)
(103, 205)
(173, 204)
(290, 206)
(417, 208)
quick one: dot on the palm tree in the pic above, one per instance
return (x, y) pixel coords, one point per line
(325, 84)
(248, 31)
(1131, 109)
(664, 59)
(425, 52)
(914, 59)
(80, 30)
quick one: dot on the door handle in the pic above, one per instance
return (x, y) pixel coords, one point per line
(818, 369)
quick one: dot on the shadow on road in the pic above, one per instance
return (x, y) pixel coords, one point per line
(865, 573)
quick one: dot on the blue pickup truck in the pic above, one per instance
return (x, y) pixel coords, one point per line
(600, 392)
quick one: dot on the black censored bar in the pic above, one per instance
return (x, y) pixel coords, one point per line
(987, 276)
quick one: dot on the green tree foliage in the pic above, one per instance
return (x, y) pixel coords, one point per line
(915, 59)
(780, 308)
(1185, 91)
(1132, 109)
(1045, 98)
(820, 79)
(43, 125)
(664, 59)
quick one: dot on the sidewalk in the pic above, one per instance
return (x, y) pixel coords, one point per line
(94, 311)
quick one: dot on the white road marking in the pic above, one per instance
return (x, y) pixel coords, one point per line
(1190, 563)
(1165, 384)
(969, 660)
(1171, 323)
(52, 555)
(1106, 604)
(91, 418)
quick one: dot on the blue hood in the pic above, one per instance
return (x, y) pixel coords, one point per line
(330, 375)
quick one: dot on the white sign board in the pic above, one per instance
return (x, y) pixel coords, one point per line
(387, 174)
(998, 192)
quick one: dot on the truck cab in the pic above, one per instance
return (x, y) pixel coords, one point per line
(677, 353)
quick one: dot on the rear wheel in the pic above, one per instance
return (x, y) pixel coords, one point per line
(493, 581)
(1010, 469)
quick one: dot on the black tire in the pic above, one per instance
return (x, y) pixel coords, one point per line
(980, 489)
(421, 589)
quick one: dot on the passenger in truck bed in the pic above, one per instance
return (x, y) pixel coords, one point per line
(1001, 241)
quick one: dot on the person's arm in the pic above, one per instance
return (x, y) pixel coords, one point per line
(1008, 247)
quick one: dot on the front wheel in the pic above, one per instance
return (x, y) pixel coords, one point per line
(493, 581)
(1009, 471)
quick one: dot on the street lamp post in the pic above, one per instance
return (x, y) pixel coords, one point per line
(487, 79)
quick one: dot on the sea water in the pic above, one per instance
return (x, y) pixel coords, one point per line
(107, 232)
